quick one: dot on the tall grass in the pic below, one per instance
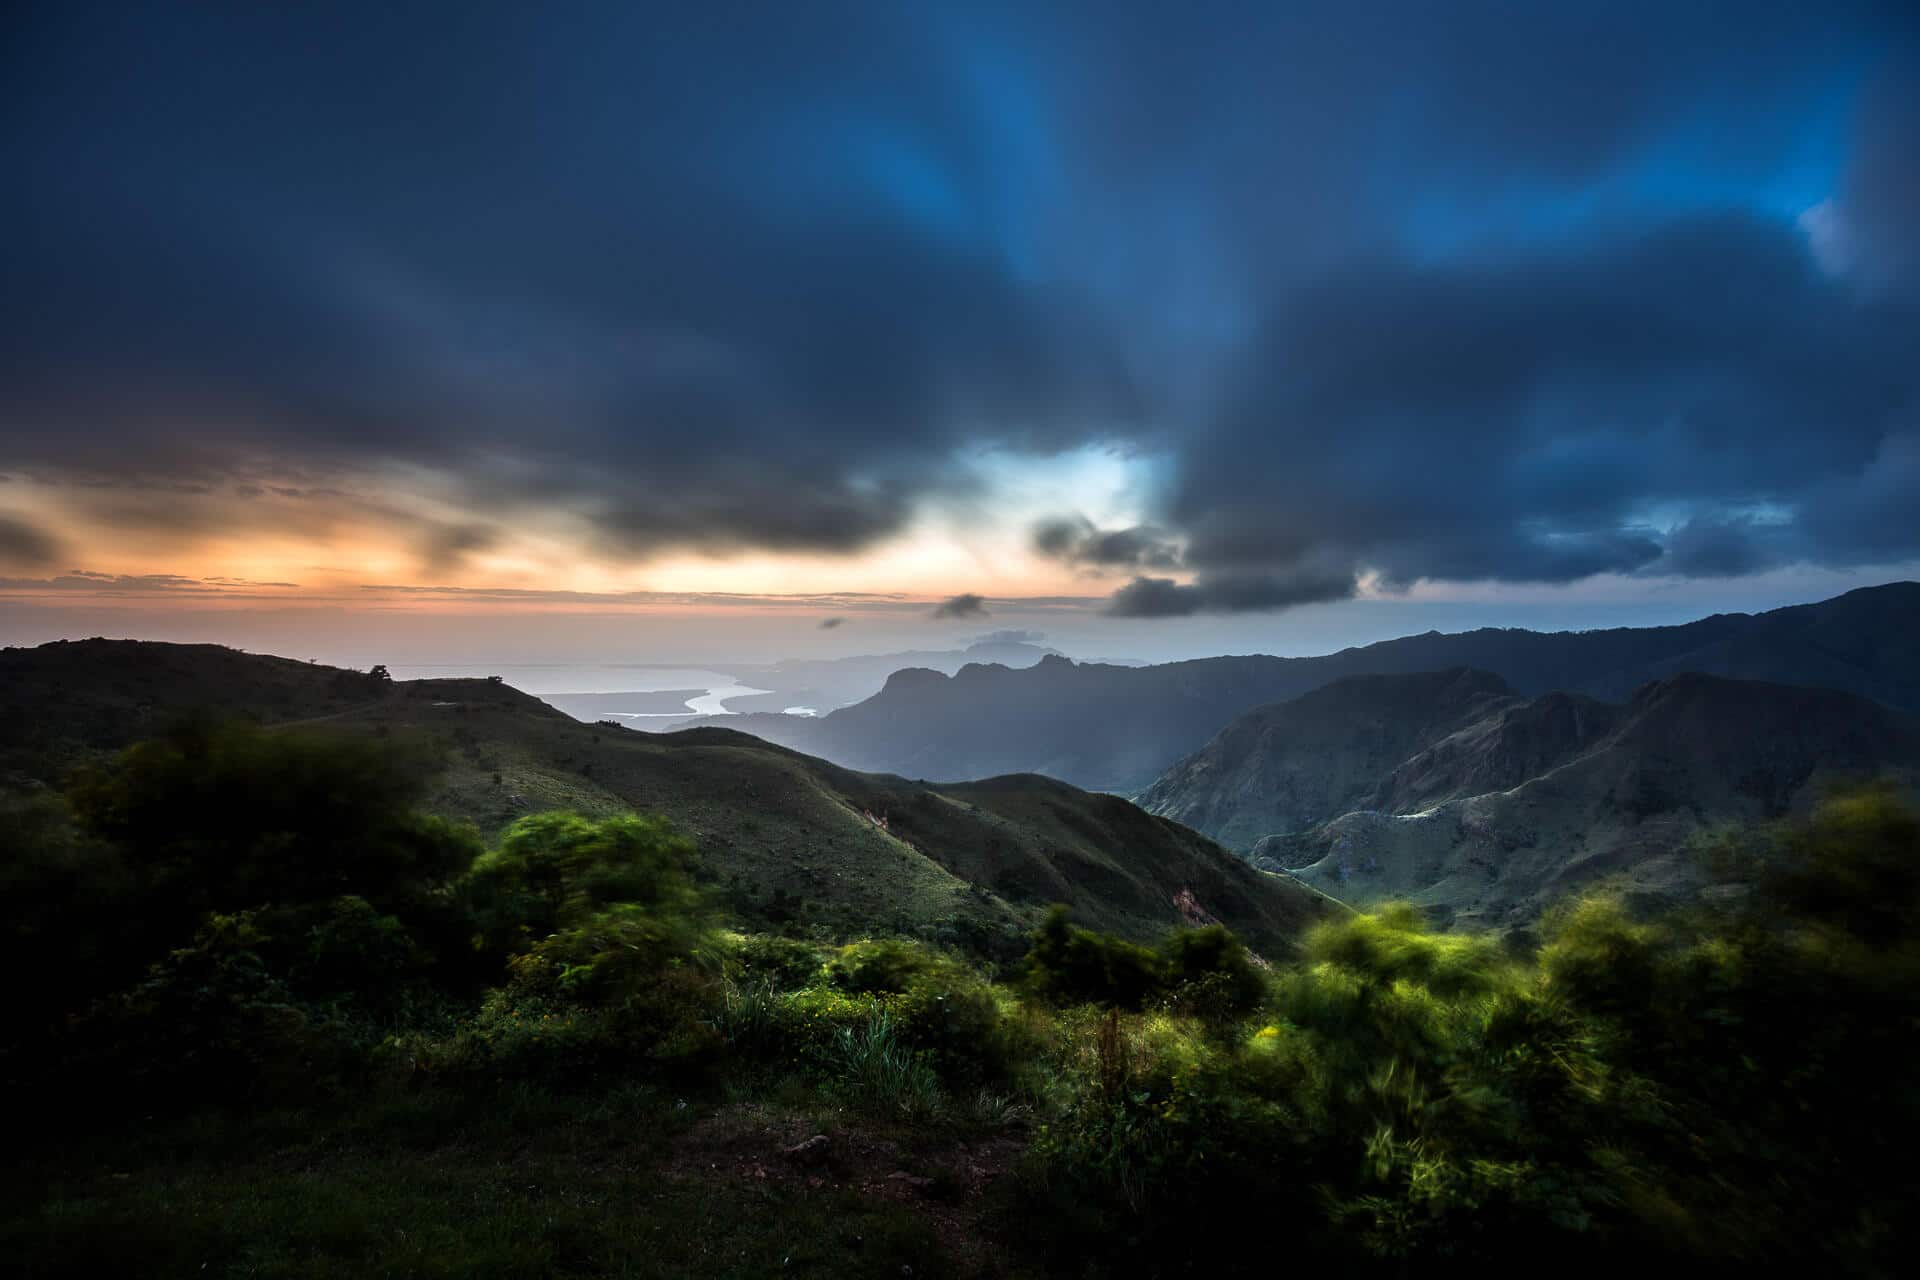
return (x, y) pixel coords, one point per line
(872, 1066)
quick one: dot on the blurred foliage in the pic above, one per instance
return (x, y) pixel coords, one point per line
(1724, 1085)
(220, 818)
(1072, 965)
(559, 870)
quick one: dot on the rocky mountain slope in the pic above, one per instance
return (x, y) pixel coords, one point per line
(783, 836)
(1614, 793)
(1118, 728)
(1294, 765)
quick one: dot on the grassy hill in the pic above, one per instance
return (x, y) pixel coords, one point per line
(784, 837)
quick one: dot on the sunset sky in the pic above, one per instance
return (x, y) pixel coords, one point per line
(662, 332)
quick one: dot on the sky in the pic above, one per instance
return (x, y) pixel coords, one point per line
(592, 332)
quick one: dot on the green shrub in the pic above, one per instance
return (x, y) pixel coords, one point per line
(1209, 973)
(886, 965)
(70, 913)
(958, 1022)
(346, 947)
(553, 871)
(535, 1030)
(936, 1005)
(753, 1020)
(813, 1016)
(1071, 965)
(211, 1021)
(785, 964)
(612, 957)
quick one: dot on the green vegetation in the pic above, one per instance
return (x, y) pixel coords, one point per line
(275, 1022)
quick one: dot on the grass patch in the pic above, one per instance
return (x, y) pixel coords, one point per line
(520, 1184)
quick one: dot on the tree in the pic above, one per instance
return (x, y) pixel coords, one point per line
(1210, 972)
(1078, 966)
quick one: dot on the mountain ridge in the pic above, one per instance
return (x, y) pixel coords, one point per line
(1115, 728)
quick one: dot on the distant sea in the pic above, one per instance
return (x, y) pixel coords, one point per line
(541, 679)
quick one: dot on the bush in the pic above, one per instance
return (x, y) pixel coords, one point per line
(888, 965)
(612, 957)
(1071, 965)
(958, 1022)
(229, 818)
(936, 1005)
(211, 1021)
(530, 1031)
(784, 964)
(346, 948)
(1208, 973)
(558, 870)
(70, 913)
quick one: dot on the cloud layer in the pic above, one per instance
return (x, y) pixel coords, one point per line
(1398, 291)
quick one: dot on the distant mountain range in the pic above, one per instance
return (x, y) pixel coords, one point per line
(782, 836)
(1452, 790)
(1118, 728)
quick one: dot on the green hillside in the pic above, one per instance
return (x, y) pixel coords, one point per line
(786, 838)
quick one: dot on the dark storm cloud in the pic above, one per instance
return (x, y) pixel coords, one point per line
(698, 282)
(964, 605)
(1530, 417)
(1076, 540)
(1418, 291)
(1726, 548)
(1227, 593)
(24, 545)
